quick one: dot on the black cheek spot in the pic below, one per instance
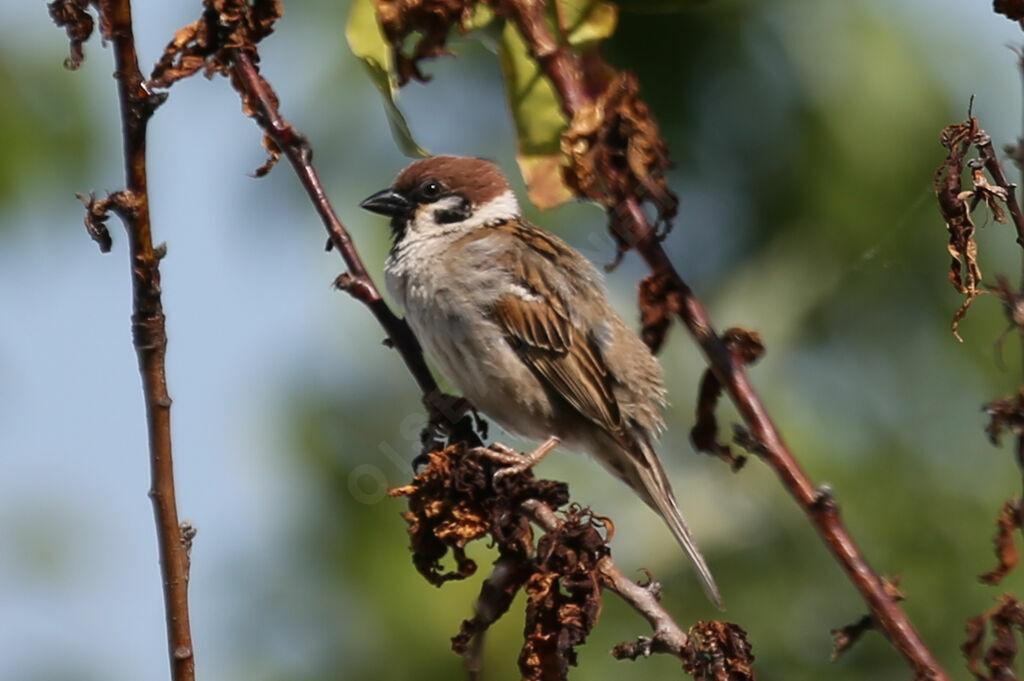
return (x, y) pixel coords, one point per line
(460, 212)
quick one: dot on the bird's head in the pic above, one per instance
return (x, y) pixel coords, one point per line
(445, 194)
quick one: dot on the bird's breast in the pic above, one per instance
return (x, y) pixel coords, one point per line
(450, 317)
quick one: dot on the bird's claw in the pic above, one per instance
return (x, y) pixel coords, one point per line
(515, 462)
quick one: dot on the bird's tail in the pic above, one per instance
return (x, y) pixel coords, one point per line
(657, 492)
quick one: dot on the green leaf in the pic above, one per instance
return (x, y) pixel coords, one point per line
(366, 40)
(587, 21)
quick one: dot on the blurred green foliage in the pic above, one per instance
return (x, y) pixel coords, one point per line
(46, 126)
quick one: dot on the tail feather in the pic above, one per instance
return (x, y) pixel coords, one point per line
(657, 492)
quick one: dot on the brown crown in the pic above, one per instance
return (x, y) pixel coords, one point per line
(474, 178)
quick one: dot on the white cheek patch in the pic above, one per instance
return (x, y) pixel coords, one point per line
(500, 208)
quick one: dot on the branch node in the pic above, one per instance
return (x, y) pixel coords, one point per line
(742, 437)
(188, 533)
(643, 646)
(824, 500)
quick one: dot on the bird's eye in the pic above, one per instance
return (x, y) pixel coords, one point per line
(431, 190)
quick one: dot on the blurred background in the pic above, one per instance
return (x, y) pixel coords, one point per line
(805, 137)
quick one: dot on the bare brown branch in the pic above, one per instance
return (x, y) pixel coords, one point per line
(356, 281)
(845, 637)
(1007, 190)
(633, 228)
(148, 323)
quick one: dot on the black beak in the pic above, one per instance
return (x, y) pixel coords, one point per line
(387, 202)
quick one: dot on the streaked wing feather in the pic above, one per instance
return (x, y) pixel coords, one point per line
(545, 339)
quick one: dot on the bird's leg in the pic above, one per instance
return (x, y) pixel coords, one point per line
(445, 414)
(515, 462)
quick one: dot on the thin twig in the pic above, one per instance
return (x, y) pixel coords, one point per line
(356, 281)
(995, 169)
(563, 69)
(148, 330)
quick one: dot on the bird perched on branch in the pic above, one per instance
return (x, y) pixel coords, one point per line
(518, 321)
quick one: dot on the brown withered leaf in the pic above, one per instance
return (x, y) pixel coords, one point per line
(73, 17)
(746, 348)
(616, 152)
(97, 212)
(563, 596)
(659, 301)
(453, 501)
(964, 272)
(999, 658)
(273, 152)
(203, 44)
(844, 637)
(1011, 9)
(1005, 414)
(430, 20)
(992, 194)
(719, 651)
(1007, 524)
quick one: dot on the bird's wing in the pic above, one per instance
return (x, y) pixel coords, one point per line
(535, 315)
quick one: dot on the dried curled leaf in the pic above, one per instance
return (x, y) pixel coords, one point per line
(964, 272)
(273, 151)
(430, 20)
(1011, 9)
(746, 348)
(1000, 657)
(720, 651)
(616, 152)
(453, 501)
(73, 17)
(659, 301)
(564, 596)
(993, 195)
(1007, 524)
(1005, 414)
(843, 638)
(97, 212)
(224, 24)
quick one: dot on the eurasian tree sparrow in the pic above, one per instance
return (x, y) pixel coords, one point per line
(518, 321)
